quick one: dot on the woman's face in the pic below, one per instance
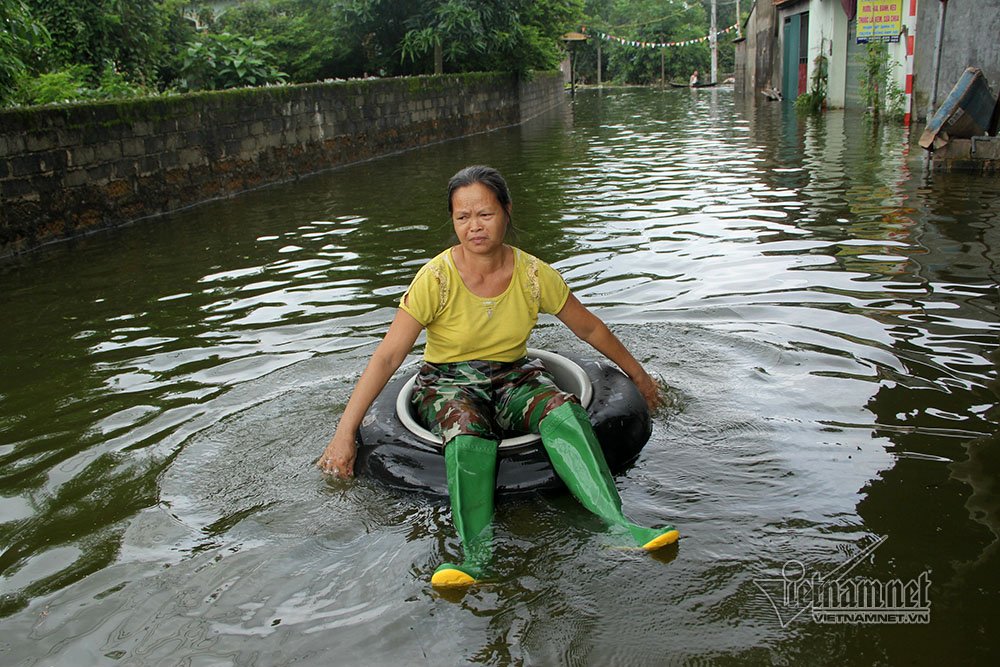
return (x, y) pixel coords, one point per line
(479, 219)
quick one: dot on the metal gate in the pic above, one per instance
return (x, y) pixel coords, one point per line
(855, 64)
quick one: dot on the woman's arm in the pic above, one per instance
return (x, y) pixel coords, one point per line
(338, 457)
(589, 328)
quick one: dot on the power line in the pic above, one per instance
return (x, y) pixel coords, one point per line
(662, 18)
(668, 16)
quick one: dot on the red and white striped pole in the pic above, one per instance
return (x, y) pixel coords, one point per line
(910, 22)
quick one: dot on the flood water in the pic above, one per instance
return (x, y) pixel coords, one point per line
(823, 313)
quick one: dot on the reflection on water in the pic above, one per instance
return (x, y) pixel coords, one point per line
(824, 313)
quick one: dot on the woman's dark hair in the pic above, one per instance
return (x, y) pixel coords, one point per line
(487, 176)
(490, 178)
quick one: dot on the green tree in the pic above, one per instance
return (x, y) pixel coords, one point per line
(321, 39)
(128, 33)
(124, 46)
(310, 39)
(176, 33)
(514, 35)
(377, 28)
(654, 21)
(398, 37)
(21, 39)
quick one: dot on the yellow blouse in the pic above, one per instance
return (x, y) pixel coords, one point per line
(463, 327)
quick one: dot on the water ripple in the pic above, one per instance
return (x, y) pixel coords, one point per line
(824, 315)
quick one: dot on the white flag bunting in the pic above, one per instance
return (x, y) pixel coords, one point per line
(653, 45)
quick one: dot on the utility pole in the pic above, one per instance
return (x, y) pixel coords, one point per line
(599, 40)
(739, 22)
(713, 41)
(663, 52)
(943, 11)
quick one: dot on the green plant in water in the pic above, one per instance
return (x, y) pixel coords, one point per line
(895, 99)
(815, 99)
(880, 95)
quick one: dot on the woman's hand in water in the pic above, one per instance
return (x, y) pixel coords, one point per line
(649, 389)
(338, 457)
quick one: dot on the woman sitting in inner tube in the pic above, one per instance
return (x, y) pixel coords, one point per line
(479, 301)
(396, 448)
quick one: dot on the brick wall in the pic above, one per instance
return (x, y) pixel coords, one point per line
(67, 170)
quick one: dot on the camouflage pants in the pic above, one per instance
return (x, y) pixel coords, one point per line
(487, 399)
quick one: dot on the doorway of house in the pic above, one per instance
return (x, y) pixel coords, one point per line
(795, 55)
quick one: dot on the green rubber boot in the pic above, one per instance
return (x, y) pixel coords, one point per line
(577, 458)
(471, 464)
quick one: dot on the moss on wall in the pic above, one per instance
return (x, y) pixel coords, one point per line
(72, 167)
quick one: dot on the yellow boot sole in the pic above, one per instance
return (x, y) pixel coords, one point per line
(450, 577)
(663, 540)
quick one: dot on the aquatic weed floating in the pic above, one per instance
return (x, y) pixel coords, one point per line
(395, 449)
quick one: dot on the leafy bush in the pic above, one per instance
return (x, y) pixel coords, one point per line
(228, 61)
(112, 84)
(75, 84)
(65, 85)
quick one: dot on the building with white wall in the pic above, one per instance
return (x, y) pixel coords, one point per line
(784, 37)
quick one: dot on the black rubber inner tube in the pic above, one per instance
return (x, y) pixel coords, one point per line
(392, 454)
